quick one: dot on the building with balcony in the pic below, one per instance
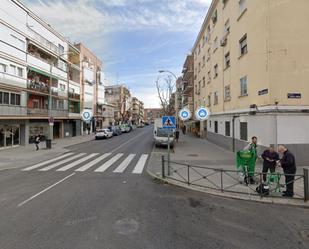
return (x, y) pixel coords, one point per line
(92, 89)
(137, 111)
(150, 114)
(109, 112)
(120, 96)
(251, 71)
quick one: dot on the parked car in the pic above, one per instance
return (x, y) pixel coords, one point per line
(116, 130)
(125, 128)
(104, 133)
(141, 125)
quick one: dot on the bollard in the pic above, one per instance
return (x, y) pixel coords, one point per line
(306, 184)
(163, 168)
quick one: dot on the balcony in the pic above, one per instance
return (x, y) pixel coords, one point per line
(42, 41)
(43, 112)
(38, 62)
(10, 110)
(40, 87)
(74, 96)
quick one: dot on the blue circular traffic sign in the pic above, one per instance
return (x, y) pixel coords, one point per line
(184, 114)
(202, 113)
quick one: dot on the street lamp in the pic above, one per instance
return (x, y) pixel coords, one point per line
(167, 71)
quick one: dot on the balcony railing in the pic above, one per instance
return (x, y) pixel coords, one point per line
(44, 42)
(74, 96)
(38, 86)
(11, 110)
(43, 112)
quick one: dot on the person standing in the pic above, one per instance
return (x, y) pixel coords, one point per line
(177, 135)
(37, 141)
(184, 129)
(288, 165)
(270, 158)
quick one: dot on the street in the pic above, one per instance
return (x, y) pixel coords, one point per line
(94, 208)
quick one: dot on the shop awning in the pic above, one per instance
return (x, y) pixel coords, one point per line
(43, 73)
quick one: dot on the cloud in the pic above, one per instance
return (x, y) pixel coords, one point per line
(80, 18)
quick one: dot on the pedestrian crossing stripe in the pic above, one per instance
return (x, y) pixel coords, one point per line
(82, 162)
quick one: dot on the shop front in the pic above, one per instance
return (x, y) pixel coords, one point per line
(9, 136)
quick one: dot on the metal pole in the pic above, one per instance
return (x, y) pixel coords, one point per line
(306, 184)
(168, 155)
(188, 172)
(163, 167)
(51, 128)
(221, 176)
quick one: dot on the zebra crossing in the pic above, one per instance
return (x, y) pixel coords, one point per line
(95, 162)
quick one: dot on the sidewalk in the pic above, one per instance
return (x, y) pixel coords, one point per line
(26, 155)
(200, 152)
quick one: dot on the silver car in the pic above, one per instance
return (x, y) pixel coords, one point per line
(104, 133)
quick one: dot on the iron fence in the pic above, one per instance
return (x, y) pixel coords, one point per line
(233, 181)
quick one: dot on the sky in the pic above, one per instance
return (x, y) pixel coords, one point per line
(133, 38)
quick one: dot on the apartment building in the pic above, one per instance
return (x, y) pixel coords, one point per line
(137, 111)
(251, 71)
(40, 79)
(188, 83)
(150, 114)
(92, 87)
(120, 96)
(109, 112)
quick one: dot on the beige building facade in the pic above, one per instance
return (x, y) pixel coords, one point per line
(251, 71)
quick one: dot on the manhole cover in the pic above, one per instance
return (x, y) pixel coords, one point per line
(126, 226)
(192, 155)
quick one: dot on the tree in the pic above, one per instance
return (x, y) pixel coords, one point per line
(165, 88)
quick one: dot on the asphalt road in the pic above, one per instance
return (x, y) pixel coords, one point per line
(106, 210)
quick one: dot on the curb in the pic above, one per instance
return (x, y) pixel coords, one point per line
(268, 200)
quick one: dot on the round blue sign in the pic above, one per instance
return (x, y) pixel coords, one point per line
(184, 114)
(202, 113)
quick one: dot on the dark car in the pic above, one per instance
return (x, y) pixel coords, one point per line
(116, 130)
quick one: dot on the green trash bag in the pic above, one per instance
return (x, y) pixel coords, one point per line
(245, 161)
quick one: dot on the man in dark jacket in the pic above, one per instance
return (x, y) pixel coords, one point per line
(270, 158)
(288, 165)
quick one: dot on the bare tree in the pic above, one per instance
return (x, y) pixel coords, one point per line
(165, 88)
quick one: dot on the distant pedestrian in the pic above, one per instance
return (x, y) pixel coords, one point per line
(177, 135)
(184, 129)
(37, 141)
(270, 158)
(288, 165)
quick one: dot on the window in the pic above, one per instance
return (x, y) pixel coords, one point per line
(242, 6)
(224, 2)
(244, 131)
(71, 90)
(209, 76)
(199, 67)
(15, 99)
(227, 60)
(216, 71)
(214, 17)
(61, 104)
(2, 68)
(215, 45)
(227, 129)
(13, 69)
(204, 82)
(203, 40)
(199, 48)
(243, 86)
(209, 99)
(210, 124)
(54, 104)
(216, 126)
(227, 27)
(36, 104)
(20, 72)
(204, 59)
(216, 98)
(4, 98)
(62, 87)
(243, 45)
(227, 93)
(208, 54)
(61, 49)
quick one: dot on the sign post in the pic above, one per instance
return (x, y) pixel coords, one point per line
(168, 123)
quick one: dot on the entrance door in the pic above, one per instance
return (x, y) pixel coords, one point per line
(56, 130)
(74, 129)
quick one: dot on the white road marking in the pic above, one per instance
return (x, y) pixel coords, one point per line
(47, 162)
(73, 164)
(62, 162)
(109, 163)
(124, 164)
(92, 163)
(44, 190)
(140, 164)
